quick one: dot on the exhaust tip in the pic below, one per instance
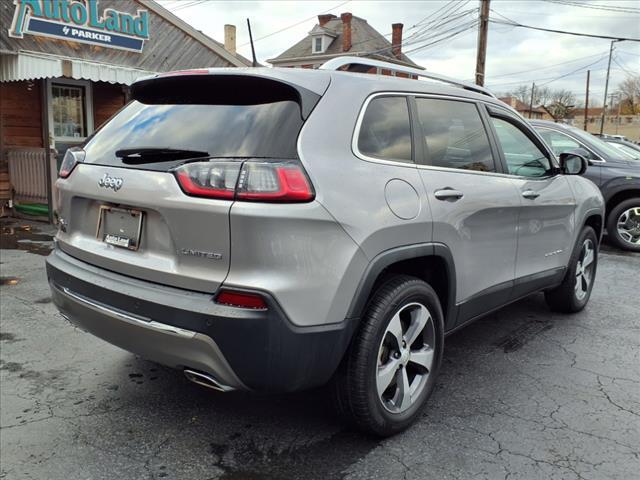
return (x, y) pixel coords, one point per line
(205, 380)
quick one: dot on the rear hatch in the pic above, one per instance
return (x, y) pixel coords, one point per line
(121, 204)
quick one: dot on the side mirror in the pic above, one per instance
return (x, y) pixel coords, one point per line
(573, 163)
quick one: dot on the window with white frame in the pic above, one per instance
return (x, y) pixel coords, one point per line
(317, 44)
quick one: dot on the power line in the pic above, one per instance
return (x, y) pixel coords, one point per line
(464, 29)
(433, 24)
(187, 4)
(615, 60)
(432, 36)
(553, 79)
(294, 24)
(608, 37)
(628, 53)
(548, 66)
(443, 20)
(571, 73)
(594, 6)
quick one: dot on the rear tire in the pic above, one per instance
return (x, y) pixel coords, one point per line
(573, 293)
(623, 225)
(390, 369)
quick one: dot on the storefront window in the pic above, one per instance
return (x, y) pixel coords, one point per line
(69, 119)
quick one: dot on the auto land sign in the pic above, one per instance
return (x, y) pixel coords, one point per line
(80, 21)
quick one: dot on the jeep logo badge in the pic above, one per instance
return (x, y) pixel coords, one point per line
(110, 182)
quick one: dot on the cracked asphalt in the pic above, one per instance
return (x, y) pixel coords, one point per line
(523, 394)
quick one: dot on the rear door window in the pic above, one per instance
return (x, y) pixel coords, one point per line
(454, 135)
(385, 132)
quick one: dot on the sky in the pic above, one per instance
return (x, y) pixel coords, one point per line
(515, 55)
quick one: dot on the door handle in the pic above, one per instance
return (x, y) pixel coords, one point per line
(448, 194)
(530, 194)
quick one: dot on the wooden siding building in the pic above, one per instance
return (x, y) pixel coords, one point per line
(64, 73)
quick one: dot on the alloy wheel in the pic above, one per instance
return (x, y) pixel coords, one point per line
(628, 225)
(584, 269)
(405, 357)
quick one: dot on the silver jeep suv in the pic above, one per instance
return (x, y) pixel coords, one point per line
(274, 229)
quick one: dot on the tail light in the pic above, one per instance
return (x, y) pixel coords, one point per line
(209, 179)
(241, 300)
(73, 156)
(254, 181)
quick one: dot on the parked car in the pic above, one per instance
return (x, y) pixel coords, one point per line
(280, 229)
(616, 173)
(625, 146)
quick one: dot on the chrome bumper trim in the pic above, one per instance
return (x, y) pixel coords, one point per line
(139, 320)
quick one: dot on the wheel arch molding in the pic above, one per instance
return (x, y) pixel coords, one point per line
(431, 262)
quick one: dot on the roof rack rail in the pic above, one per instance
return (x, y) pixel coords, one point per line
(338, 62)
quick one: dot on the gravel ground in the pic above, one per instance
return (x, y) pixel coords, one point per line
(523, 394)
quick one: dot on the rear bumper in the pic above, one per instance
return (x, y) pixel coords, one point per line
(243, 349)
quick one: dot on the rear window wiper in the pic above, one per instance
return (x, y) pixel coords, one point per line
(140, 155)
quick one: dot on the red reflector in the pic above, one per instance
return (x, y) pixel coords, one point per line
(242, 300)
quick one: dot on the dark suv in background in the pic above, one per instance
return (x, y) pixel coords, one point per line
(616, 174)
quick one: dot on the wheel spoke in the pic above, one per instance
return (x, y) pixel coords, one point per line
(422, 357)
(386, 374)
(626, 235)
(419, 320)
(403, 395)
(588, 258)
(395, 329)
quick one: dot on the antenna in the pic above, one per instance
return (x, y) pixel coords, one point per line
(253, 50)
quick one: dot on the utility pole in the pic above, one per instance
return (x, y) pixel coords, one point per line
(533, 87)
(586, 102)
(606, 86)
(483, 30)
(619, 104)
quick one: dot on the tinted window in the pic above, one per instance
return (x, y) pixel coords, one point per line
(267, 129)
(558, 142)
(454, 135)
(561, 143)
(522, 156)
(385, 131)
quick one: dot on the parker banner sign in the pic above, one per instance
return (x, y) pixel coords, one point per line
(80, 21)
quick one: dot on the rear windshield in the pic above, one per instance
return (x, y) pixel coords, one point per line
(268, 129)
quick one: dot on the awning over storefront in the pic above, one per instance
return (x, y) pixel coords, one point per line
(30, 66)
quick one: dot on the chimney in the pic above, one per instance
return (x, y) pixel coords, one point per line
(230, 38)
(323, 19)
(346, 31)
(396, 39)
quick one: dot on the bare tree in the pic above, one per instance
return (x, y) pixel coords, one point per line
(521, 93)
(541, 95)
(629, 91)
(561, 104)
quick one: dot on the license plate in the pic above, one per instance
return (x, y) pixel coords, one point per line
(120, 227)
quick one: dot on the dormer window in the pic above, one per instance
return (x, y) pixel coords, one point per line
(321, 39)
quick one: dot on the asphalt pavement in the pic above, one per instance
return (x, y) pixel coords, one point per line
(523, 394)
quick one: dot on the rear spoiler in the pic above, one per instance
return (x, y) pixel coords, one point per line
(205, 87)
